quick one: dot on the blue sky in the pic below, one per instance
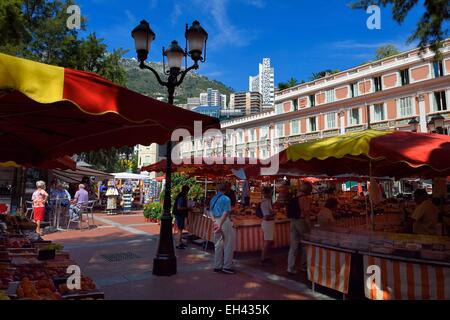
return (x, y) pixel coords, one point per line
(300, 36)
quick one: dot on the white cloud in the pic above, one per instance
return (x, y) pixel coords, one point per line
(177, 11)
(131, 17)
(256, 3)
(226, 33)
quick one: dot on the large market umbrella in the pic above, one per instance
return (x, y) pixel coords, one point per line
(64, 163)
(212, 167)
(48, 112)
(370, 153)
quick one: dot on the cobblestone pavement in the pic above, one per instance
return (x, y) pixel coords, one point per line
(117, 253)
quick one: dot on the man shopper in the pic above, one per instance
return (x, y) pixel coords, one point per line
(220, 208)
(268, 226)
(180, 211)
(81, 198)
(299, 213)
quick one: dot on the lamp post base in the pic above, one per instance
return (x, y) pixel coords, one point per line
(165, 266)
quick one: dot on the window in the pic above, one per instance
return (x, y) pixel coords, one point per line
(377, 84)
(252, 154)
(354, 92)
(438, 69)
(252, 135)
(440, 101)
(312, 100)
(295, 104)
(330, 96)
(295, 127)
(264, 154)
(147, 160)
(312, 126)
(240, 136)
(279, 109)
(264, 133)
(280, 130)
(354, 116)
(378, 112)
(404, 75)
(405, 107)
(331, 120)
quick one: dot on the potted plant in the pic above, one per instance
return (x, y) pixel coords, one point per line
(147, 212)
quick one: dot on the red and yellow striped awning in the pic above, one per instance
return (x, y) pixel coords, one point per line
(390, 153)
(47, 112)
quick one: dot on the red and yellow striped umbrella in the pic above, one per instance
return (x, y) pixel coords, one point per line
(47, 112)
(389, 153)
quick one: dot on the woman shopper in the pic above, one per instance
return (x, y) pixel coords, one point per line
(300, 222)
(39, 198)
(267, 225)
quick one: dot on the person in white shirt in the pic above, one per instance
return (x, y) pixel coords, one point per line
(325, 215)
(267, 225)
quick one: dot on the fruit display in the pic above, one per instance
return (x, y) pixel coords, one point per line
(38, 290)
(23, 277)
(87, 285)
(35, 274)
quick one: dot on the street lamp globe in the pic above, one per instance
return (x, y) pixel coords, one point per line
(175, 55)
(436, 123)
(143, 37)
(414, 123)
(196, 38)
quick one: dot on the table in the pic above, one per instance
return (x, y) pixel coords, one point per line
(248, 233)
(406, 278)
(328, 266)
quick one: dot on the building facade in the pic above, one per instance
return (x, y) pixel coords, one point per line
(247, 102)
(264, 83)
(149, 155)
(193, 102)
(211, 98)
(386, 94)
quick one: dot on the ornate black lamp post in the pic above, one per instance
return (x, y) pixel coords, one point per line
(165, 262)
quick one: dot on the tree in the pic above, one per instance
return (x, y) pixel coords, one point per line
(431, 28)
(292, 82)
(386, 51)
(323, 73)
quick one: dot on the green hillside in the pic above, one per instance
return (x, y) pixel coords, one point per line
(143, 81)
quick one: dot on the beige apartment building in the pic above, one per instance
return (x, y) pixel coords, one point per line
(403, 92)
(247, 102)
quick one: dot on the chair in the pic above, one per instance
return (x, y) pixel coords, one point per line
(29, 211)
(89, 210)
(83, 210)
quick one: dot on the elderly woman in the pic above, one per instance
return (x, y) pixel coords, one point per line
(39, 198)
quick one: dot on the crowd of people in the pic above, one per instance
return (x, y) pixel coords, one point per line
(298, 208)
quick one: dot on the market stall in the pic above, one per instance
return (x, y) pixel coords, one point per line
(248, 232)
(33, 269)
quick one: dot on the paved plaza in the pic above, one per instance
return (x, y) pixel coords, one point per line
(117, 253)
